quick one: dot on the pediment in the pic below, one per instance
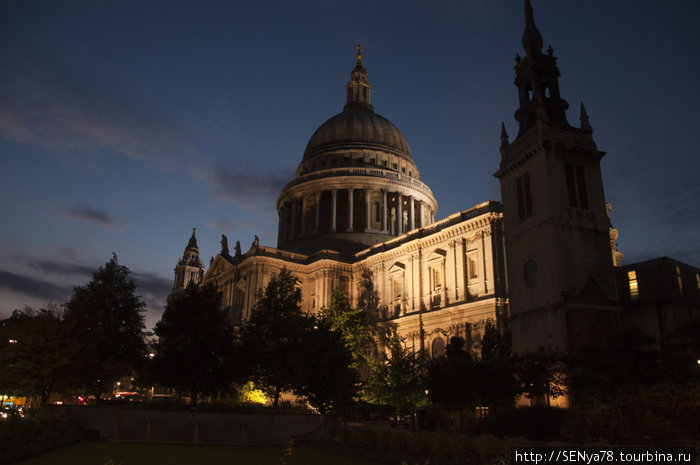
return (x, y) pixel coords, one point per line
(592, 293)
(438, 254)
(218, 266)
(397, 267)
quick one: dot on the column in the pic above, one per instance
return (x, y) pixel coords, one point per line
(399, 214)
(443, 289)
(384, 229)
(413, 213)
(350, 208)
(421, 217)
(303, 216)
(294, 218)
(318, 210)
(334, 193)
(368, 211)
(280, 227)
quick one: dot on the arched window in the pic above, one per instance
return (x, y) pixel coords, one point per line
(438, 347)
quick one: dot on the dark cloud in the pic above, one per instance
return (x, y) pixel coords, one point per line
(153, 288)
(247, 187)
(73, 101)
(63, 268)
(34, 287)
(152, 284)
(84, 212)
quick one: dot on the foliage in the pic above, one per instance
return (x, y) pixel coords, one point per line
(33, 435)
(252, 395)
(396, 379)
(541, 374)
(195, 351)
(33, 352)
(275, 333)
(495, 346)
(631, 387)
(450, 379)
(356, 327)
(325, 376)
(105, 322)
(459, 381)
(368, 300)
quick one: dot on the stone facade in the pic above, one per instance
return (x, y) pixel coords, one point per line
(441, 280)
(357, 204)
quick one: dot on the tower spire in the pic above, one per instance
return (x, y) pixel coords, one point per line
(532, 39)
(585, 122)
(359, 88)
(537, 78)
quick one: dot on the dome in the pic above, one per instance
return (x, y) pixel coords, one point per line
(356, 129)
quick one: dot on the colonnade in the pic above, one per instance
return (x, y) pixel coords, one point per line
(395, 213)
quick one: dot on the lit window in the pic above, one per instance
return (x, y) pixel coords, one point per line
(679, 279)
(524, 193)
(634, 289)
(697, 279)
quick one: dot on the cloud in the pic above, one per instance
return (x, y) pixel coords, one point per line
(63, 268)
(247, 187)
(153, 288)
(84, 212)
(34, 287)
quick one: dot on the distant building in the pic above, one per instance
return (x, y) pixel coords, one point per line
(660, 296)
(541, 262)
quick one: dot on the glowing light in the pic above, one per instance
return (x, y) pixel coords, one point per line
(253, 395)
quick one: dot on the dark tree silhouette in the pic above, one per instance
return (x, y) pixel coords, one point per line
(274, 334)
(195, 351)
(34, 352)
(105, 322)
(324, 373)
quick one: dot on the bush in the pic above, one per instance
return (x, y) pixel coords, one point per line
(535, 423)
(33, 435)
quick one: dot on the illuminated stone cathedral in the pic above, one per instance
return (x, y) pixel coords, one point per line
(543, 261)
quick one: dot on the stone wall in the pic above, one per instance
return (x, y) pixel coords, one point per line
(178, 426)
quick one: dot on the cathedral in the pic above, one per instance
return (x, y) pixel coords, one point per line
(542, 261)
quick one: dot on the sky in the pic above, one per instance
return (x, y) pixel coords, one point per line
(125, 124)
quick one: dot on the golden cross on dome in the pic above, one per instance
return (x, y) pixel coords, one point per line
(359, 49)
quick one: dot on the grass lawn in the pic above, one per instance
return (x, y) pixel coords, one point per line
(99, 453)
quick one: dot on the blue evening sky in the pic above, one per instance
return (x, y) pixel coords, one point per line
(124, 124)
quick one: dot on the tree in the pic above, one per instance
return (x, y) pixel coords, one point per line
(105, 322)
(368, 299)
(396, 378)
(325, 376)
(33, 352)
(195, 351)
(450, 378)
(541, 375)
(356, 327)
(495, 370)
(274, 334)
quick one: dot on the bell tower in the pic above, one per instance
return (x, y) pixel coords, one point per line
(561, 282)
(189, 268)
